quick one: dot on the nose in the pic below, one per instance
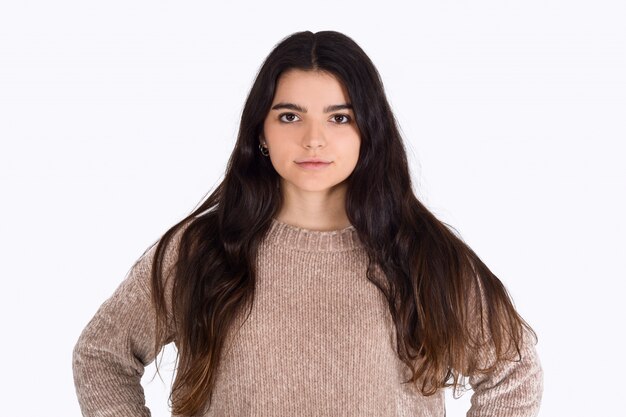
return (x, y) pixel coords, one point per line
(314, 137)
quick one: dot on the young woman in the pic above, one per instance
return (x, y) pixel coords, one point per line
(312, 281)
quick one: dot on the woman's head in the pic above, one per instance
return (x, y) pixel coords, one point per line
(315, 70)
(311, 117)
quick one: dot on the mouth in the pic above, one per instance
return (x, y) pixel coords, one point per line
(313, 160)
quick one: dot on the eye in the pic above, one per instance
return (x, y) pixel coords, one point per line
(289, 117)
(346, 118)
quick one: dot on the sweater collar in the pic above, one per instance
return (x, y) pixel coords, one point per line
(308, 240)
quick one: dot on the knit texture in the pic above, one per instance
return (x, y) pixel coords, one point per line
(319, 341)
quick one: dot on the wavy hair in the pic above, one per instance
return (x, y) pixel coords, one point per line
(445, 303)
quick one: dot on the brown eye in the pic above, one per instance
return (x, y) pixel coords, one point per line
(345, 117)
(289, 117)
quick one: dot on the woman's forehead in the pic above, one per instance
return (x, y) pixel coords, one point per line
(317, 87)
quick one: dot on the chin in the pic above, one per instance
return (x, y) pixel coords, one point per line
(317, 187)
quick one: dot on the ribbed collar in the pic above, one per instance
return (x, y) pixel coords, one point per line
(287, 235)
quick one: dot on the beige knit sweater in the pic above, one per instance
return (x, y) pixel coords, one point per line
(318, 342)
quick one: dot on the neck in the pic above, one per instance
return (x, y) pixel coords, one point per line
(322, 210)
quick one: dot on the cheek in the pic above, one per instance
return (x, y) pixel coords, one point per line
(277, 137)
(281, 158)
(273, 129)
(351, 149)
(278, 156)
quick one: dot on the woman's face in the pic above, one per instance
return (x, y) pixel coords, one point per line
(311, 117)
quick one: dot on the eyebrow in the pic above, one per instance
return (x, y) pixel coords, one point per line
(327, 109)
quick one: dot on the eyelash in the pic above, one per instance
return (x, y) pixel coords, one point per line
(347, 118)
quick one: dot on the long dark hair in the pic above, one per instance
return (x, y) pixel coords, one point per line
(445, 303)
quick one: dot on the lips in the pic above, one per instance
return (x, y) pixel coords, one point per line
(313, 160)
(313, 165)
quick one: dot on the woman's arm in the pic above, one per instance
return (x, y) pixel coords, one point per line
(115, 346)
(513, 389)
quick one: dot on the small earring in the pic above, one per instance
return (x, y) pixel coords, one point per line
(264, 150)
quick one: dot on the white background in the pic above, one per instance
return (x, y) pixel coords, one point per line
(116, 118)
